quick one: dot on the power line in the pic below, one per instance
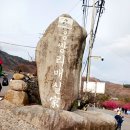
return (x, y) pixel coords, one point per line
(100, 8)
(85, 11)
(16, 44)
(84, 68)
(74, 6)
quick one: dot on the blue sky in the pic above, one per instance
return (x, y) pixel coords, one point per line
(24, 21)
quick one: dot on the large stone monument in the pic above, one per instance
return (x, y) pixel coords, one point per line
(59, 58)
(59, 55)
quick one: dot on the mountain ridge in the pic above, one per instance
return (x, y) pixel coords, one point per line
(11, 62)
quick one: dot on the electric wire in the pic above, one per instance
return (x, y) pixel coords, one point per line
(85, 16)
(74, 6)
(16, 44)
(99, 15)
(84, 68)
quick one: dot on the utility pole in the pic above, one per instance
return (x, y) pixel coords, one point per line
(84, 5)
(91, 41)
(84, 13)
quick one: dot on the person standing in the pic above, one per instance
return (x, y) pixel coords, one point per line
(5, 81)
(125, 110)
(119, 120)
(0, 86)
(1, 68)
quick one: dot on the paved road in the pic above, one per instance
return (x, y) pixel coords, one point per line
(126, 123)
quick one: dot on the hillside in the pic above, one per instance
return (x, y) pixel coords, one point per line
(117, 90)
(11, 62)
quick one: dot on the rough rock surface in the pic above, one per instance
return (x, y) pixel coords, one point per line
(38, 118)
(18, 76)
(18, 85)
(9, 121)
(33, 91)
(59, 57)
(98, 120)
(16, 93)
(16, 97)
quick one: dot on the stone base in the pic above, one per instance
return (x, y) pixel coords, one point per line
(38, 118)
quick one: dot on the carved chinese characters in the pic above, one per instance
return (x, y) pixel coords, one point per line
(58, 58)
(64, 26)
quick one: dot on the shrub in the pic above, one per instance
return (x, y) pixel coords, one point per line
(22, 67)
(110, 104)
(102, 97)
(126, 85)
(127, 106)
